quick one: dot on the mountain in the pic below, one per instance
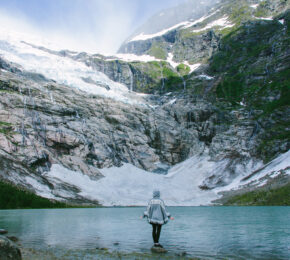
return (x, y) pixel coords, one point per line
(189, 10)
(199, 109)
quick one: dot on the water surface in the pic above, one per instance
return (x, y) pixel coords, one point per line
(205, 232)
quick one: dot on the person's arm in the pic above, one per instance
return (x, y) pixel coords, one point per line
(146, 213)
(166, 214)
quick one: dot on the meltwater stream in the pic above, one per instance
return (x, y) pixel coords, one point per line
(203, 232)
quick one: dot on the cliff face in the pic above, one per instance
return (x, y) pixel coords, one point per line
(231, 110)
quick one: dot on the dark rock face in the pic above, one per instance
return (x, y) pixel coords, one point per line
(8, 250)
(196, 48)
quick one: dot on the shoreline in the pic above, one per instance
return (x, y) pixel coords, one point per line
(98, 253)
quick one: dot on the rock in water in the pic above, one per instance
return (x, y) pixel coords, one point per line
(3, 231)
(8, 250)
(13, 238)
(159, 250)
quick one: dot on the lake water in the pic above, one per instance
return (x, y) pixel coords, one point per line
(205, 232)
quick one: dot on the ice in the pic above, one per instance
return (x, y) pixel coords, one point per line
(129, 185)
(63, 70)
(222, 22)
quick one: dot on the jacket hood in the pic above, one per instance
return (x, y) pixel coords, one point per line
(156, 194)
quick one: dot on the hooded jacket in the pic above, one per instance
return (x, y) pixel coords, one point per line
(156, 212)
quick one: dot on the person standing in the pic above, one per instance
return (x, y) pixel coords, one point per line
(157, 216)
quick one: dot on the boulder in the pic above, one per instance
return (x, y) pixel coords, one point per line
(158, 250)
(8, 250)
(3, 231)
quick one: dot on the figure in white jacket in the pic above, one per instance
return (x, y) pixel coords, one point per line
(157, 216)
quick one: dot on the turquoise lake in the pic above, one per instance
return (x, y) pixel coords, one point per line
(203, 232)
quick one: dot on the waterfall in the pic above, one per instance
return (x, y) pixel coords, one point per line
(51, 97)
(183, 81)
(162, 78)
(23, 133)
(77, 114)
(131, 79)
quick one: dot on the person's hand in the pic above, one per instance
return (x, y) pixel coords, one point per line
(172, 218)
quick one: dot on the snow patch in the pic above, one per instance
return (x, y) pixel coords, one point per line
(185, 24)
(192, 67)
(280, 163)
(264, 18)
(129, 185)
(204, 76)
(40, 189)
(222, 22)
(282, 21)
(132, 57)
(170, 60)
(254, 6)
(171, 102)
(200, 20)
(143, 37)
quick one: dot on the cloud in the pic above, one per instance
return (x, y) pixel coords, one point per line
(91, 26)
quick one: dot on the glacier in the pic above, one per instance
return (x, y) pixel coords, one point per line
(14, 47)
(131, 186)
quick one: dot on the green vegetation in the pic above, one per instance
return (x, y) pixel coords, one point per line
(183, 69)
(12, 197)
(158, 75)
(254, 69)
(239, 12)
(5, 128)
(271, 197)
(243, 63)
(262, 10)
(157, 51)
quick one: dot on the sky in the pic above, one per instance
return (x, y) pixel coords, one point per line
(94, 26)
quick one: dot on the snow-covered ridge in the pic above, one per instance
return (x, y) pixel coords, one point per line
(63, 70)
(143, 37)
(222, 22)
(185, 24)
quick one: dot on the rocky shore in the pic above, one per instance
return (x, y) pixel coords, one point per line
(9, 250)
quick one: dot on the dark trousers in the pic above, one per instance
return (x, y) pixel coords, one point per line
(156, 230)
